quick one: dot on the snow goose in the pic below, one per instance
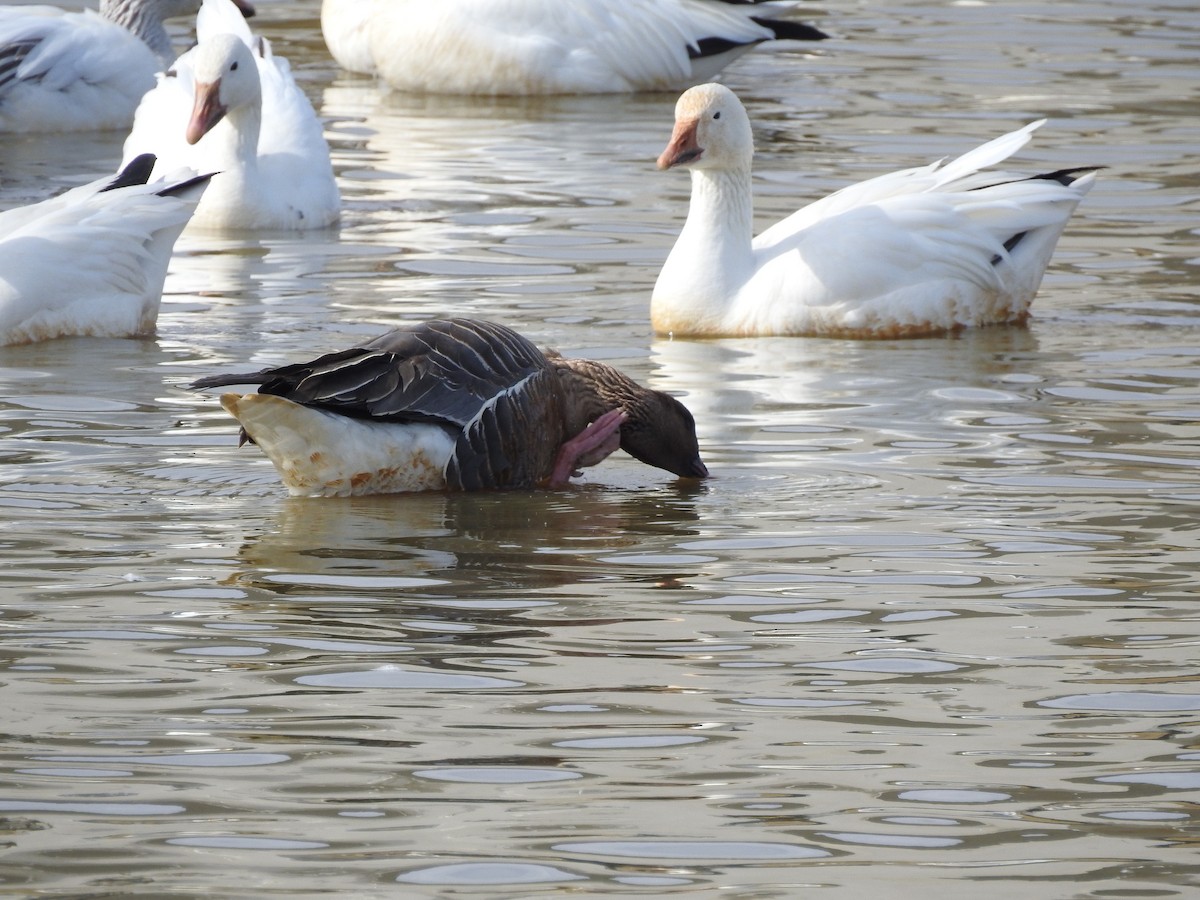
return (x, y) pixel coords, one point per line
(229, 105)
(79, 71)
(548, 46)
(461, 404)
(92, 261)
(914, 252)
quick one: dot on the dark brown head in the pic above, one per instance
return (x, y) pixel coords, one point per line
(660, 431)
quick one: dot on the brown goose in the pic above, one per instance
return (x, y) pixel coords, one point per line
(459, 404)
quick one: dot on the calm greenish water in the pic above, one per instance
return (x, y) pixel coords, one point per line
(930, 630)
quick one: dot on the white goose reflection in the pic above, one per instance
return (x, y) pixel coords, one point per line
(735, 381)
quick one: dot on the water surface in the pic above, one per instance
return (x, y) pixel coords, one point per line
(930, 627)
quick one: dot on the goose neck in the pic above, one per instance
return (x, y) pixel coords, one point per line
(721, 213)
(235, 140)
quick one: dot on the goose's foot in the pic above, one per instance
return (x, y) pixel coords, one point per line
(589, 447)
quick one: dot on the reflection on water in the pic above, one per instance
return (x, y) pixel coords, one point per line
(928, 629)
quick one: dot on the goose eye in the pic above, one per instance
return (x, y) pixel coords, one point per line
(717, 115)
(233, 68)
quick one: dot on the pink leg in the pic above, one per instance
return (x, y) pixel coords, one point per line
(588, 447)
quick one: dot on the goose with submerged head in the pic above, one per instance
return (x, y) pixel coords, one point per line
(458, 404)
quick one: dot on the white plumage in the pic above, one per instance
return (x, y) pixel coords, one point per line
(91, 261)
(229, 105)
(319, 453)
(913, 252)
(78, 71)
(520, 47)
(346, 26)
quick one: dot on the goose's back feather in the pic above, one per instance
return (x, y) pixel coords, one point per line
(914, 262)
(444, 370)
(957, 174)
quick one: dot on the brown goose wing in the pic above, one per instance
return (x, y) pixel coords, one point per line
(514, 439)
(438, 371)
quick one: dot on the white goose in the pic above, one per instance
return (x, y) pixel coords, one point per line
(92, 261)
(78, 71)
(229, 105)
(461, 404)
(83, 71)
(914, 252)
(516, 47)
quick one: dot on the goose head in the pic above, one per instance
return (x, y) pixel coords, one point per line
(226, 80)
(658, 429)
(661, 432)
(712, 131)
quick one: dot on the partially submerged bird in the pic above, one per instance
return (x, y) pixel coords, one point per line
(516, 47)
(229, 105)
(914, 252)
(92, 261)
(81, 71)
(458, 404)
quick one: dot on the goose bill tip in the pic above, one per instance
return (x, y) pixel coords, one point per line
(207, 112)
(682, 148)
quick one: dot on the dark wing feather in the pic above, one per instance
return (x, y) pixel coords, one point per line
(452, 367)
(788, 30)
(136, 172)
(279, 377)
(181, 188)
(11, 57)
(439, 371)
(514, 439)
(783, 29)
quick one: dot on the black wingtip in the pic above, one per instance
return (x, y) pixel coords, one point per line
(212, 381)
(1066, 176)
(786, 30)
(136, 172)
(183, 186)
(783, 30)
